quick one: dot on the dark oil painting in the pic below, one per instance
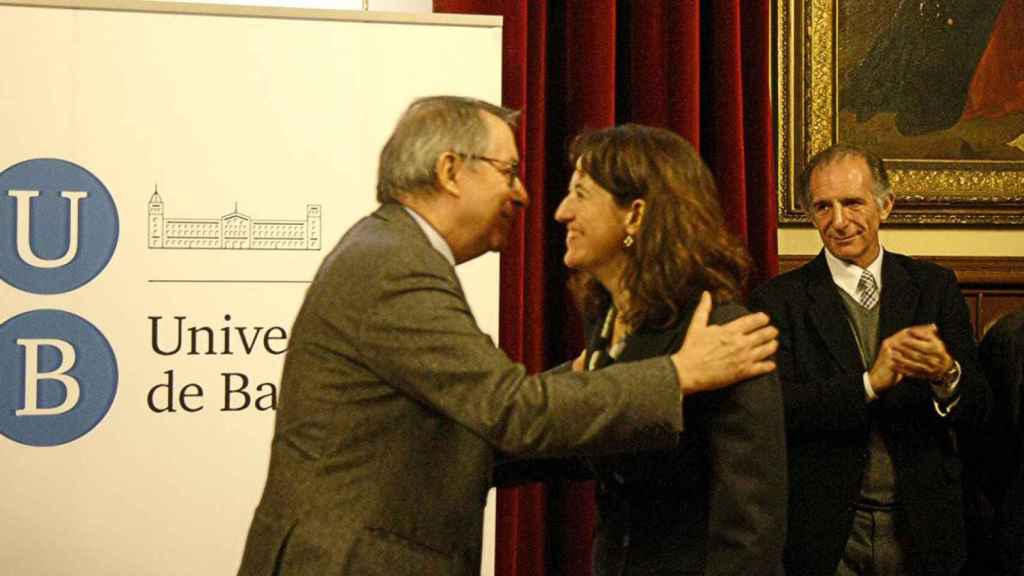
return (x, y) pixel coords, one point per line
(932, 80)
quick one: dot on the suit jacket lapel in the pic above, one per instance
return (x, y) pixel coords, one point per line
(828, 316)
(898, 300)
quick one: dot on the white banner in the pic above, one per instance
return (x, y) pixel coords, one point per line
(170, 178)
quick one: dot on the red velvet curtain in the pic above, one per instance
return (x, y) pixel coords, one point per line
(698, 67)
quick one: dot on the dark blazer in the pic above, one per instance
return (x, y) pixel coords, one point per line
(827, 416)
(392, 404)
(997, 455)
(716, 504)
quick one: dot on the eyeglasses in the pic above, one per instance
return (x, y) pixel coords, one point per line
(510, 170)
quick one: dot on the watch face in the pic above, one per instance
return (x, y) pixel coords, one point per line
(952, 375)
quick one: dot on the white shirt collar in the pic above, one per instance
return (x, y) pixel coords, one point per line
(847, 275)
(433, 236)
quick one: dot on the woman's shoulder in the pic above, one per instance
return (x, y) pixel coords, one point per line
(721, 313)
(727, 311)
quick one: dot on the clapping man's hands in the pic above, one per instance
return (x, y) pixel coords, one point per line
(914, 352)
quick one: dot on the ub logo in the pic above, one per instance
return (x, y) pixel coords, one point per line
(60, 226)
(59, 375)
(58, 230)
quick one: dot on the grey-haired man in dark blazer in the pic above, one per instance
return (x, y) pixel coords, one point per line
(393, 402)
(879, 373)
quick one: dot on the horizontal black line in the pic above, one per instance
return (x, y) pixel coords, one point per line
(187, 281)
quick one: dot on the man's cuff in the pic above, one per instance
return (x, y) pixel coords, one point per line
(944, 409)
(868, 390)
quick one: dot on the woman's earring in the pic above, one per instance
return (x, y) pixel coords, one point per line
(628, 241)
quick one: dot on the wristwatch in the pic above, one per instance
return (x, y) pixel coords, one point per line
(951, 375)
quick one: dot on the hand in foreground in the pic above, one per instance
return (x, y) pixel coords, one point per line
(920, 353)
(716, 356)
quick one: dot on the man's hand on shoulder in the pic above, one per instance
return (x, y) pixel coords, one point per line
(715, 356)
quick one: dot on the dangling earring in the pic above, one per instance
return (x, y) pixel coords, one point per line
(628, 241)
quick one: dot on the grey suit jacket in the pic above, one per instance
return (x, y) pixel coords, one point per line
(393, 403)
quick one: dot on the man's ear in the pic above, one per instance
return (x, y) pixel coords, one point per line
(635, 216)
(446, 169)
(887, 205)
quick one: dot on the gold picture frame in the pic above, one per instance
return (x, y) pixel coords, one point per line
(959, 181)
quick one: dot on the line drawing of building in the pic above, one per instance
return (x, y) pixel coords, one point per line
(232, 231)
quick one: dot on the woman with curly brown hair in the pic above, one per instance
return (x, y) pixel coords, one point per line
(647, 236)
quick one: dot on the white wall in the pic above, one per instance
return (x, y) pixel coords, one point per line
(921, 241)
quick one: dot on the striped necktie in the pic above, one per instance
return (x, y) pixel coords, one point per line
(867, 288)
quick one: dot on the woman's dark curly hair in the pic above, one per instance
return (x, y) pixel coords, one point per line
(683, 246)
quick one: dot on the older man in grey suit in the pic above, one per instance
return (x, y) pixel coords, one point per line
(393, 402)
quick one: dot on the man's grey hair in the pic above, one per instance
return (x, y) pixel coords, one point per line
(879, 176)
(430, 127)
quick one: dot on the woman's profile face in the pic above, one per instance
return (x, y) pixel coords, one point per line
(595, 228)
